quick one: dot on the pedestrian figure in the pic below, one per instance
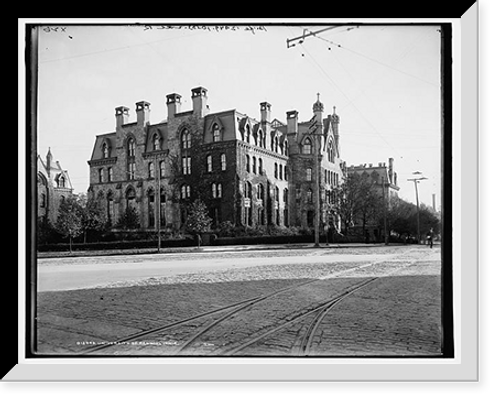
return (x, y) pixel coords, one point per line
(430, 239)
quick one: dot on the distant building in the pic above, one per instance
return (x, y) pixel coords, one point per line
(385, 182)
(382, 176)
(248, 171)
(53, 184)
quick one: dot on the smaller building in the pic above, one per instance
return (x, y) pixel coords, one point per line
(53, 184)
(384, 180)
(382, 176)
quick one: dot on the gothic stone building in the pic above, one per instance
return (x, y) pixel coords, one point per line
(247, 171)
(53, 184)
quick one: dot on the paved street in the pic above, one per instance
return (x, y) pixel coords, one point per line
(374, 301)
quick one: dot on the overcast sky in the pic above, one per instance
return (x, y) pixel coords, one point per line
(384, 81)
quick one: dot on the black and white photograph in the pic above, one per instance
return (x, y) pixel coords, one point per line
(246, 192)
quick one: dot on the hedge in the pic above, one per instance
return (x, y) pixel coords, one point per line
(137, 244)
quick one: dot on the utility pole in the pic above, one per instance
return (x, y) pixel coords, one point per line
(415, 181)
(158, 202)
(386, 199)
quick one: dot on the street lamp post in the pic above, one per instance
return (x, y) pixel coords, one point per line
(416, 181)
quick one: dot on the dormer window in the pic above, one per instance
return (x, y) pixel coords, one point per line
(216, 133)
(307, 146)
(156, 142)
(105, 150)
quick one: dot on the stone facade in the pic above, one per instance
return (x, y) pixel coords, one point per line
(53, 184)
(247, 171)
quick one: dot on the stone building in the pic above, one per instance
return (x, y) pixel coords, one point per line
(383, 176)
(53, 184)
(248, 171)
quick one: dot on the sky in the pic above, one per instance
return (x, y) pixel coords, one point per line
(383, 80)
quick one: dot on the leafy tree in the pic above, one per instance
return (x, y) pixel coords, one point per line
(198, 220)
(69, 220)
(94, 217)
(357, 200)
(129, 219)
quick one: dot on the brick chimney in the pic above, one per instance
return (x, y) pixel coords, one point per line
(199, 97)
(265, 112)
(292, 122)
(121, 114)
(173, 105)
(142, 111)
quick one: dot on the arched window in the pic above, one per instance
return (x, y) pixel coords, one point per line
(151, 170)
(131, 147)
(216, 133)
(248, 190)
(105, 150)
(247, 133)
(307, 146)
(331, 152)
(130, 197)
(260, 191)
(156, 142)
(61, 181)
(163, 169)
(185, 139)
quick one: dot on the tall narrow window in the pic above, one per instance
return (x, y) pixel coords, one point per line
(254, 165)
(308, 174)
(101, 175)
(185, 139)
(223, 162)
(131, 148)
(105, 150)
(216, 133)
(156, 142)
(110, 208)
(209, 163)
(276, 170)
(186, 165)
(248, 163)
(309, 195)
(214, 191)
(281, 171)
(247, 134)
(110, 174)
(163, 169)
(261, 171)
(151, 170)
(151, 209)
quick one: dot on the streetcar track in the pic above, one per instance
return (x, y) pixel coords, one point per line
(239, 307)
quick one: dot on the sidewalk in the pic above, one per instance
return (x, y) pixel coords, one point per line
(208, 248)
